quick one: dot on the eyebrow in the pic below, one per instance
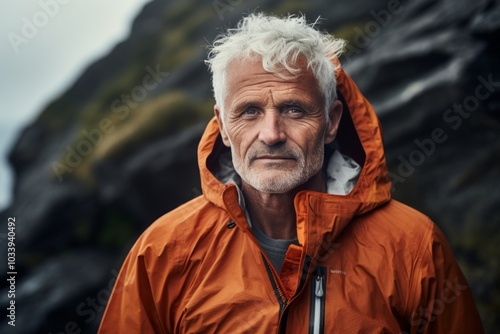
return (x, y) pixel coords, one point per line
(291, 104)
(281, 105)
(306, 105)
(245, 105)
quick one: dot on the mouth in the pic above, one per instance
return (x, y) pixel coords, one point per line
(274, 160)
(274, 157)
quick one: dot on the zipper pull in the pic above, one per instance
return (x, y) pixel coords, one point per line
(319, 286)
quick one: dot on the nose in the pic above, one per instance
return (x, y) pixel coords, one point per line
(271, 129)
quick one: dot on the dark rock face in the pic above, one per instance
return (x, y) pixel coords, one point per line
(430, 68)
(434, 79)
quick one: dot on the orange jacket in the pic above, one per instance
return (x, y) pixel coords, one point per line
(365, 264)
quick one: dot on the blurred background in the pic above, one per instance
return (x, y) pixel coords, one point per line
(106, 103)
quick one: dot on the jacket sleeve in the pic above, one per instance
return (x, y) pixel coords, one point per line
(131, 308)
(442, 300)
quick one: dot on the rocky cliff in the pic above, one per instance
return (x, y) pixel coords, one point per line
(118, 148)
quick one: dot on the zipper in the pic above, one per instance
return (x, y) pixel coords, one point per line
(276, 285)
(280, 296)
(317, 307)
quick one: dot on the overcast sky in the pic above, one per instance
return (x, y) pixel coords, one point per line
(45, 45)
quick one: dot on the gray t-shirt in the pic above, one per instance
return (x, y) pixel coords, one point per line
(275, 248)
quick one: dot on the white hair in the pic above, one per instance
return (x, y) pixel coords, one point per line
(278, 42)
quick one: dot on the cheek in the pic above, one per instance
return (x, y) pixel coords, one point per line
(308, 139)
(242, 137)
(239, 144)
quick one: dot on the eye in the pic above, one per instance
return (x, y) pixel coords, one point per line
(294, 111)
(250, 112)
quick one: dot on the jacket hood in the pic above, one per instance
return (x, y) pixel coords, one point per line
(359, 137)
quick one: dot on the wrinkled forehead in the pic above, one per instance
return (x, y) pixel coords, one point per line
(248, 81)
(286, 68)
(255, 69)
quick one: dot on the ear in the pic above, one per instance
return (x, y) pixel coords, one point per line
(222, 129)
(334, 120)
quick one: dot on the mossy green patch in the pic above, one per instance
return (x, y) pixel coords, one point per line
(117, 230)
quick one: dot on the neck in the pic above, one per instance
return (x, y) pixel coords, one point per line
(274, 214)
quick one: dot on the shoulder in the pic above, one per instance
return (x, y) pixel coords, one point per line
(396, 223)
(403, 238)
(393, 236)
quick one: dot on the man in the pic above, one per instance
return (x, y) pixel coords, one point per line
(290, 235)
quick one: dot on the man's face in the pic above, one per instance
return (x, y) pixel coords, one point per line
(276, 128)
